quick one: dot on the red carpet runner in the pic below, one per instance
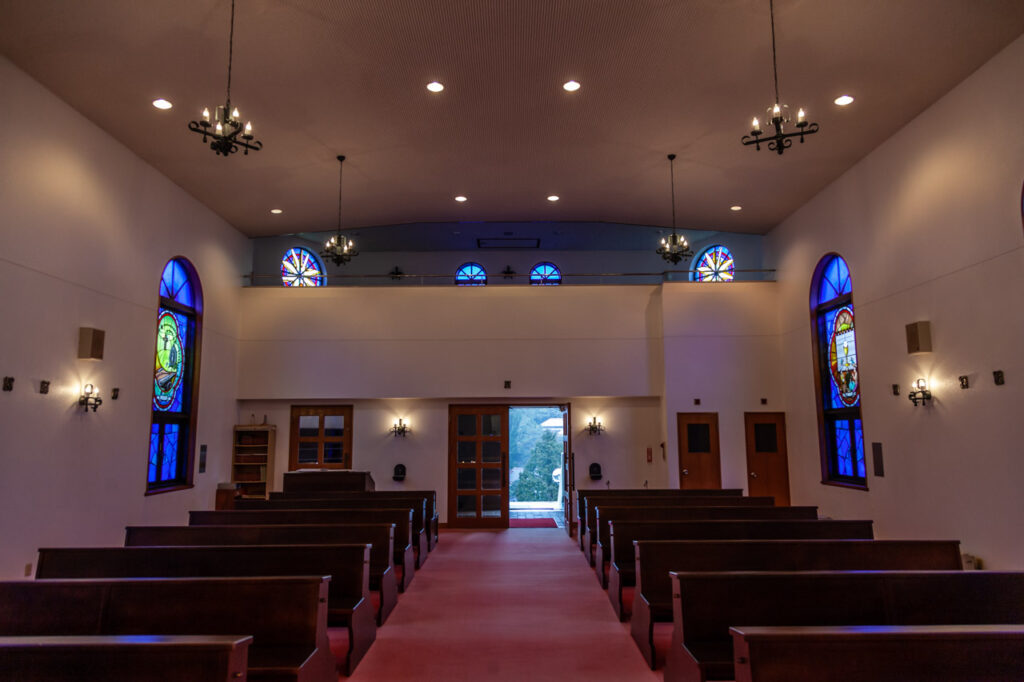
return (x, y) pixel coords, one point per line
(532, 523)
(511, 606)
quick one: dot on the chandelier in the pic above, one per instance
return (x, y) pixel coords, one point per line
(778, 114)
(338, 248)
(675, 248)
(225, 132)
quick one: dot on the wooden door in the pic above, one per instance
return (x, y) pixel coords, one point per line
(700, 463)
(321, 437)
(568, 479)
(767, 461)
(478, 466)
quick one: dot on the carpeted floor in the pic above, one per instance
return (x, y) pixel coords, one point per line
(510, 606)
(532, 523)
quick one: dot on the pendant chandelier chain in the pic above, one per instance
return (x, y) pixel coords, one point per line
(341, 172)
(775, 65)
(231, 52)
(672, 183)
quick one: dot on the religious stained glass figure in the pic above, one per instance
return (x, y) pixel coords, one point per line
(300, 268)
(545, 274)
(715, 264)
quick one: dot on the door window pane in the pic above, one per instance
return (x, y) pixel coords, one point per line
(491, 452)
(698, 437)
(467, 451)
(466, 479)
(491, 478)
(492, 425)
(466, 505)
(491, 506)
(334, 425)
(309, 426)
(467, 424)
(765, 438)
(333, 452)
(308, 453)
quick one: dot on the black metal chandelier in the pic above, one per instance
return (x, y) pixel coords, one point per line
(675, 248)
(339, 249)
(778, 114)
(225, 131)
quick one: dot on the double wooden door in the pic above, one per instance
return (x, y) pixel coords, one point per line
(478, 466)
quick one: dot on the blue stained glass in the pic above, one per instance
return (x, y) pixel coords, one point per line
(844, 459)
(300, 268)
(716, 264)
(838, 340)
(176, 284)
(545, 274)
(173, 335)
(471, 275)
(858, 441)
(835, 280)
(170, 460)
(154, 451)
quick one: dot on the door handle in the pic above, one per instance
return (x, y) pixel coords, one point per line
(686, 472)
(753, 474)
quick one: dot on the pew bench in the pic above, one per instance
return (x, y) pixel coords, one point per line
(348, 596)
(667, 511)
(879, 653)
(125, 658)
(706, 605)
(380, 537)
(404, 556)
(286, 617)
(653, 559)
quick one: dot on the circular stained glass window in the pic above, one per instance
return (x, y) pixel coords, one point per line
(545, 274)
(471, 275)
(714, 265)
(300, 268)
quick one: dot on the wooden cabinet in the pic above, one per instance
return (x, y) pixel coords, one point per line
(252, 459)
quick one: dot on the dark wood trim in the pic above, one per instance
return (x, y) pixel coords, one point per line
(320, 411)
(170, 489)
(479, 522)
(845, 484)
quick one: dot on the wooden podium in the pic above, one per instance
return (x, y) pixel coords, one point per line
(325, 480)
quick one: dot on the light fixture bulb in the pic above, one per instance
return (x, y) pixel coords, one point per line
(736, 208)
(461, 199)
(921, 384)
(553, 197)
(843, 100)
(435, 86)
(276, 211)
(88, 389)
(571, 86)
(776, 110)
(248, 127)
(756, 125)
(234, 113)
(206, 114)
(220, 128)
(800, 116)
(161, 103)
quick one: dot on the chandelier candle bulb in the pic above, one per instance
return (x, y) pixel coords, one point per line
(206, 114)
(800, 116)
(248, 128)
(756, 127)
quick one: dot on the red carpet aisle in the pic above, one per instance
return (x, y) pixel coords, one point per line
(515, 606)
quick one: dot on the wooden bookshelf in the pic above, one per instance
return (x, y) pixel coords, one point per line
(252, 459)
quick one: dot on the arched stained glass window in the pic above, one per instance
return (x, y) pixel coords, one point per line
(838, 374)
(471, 275)
(545, 274)
(175, 378)
(715, 264)
(300, 268)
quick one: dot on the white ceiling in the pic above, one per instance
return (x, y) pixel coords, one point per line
(320, 78)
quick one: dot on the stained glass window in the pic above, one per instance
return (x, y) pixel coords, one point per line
(545, 274)
(471, 275)
(300, 268)
(714, 265)
(838, 373)
(175, 376)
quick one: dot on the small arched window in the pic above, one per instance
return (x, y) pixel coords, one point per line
(300, 268)
(471, 275)
(545, 274)
(715, 264)
(838, 374)
(175, 378)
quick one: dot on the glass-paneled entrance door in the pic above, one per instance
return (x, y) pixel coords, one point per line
(478, 466)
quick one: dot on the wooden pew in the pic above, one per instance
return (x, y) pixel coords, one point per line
(380, 537)
(405, 558)
(286, 617)
(418, 506)
(681, 501)
(348, 598)
(430, 496)
(879, 653)
(327, 479)
(668, 511)
(706, 605)
(582, 495)
(653, 559)
(125, 658)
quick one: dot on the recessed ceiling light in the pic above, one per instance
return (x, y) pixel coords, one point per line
(435, 87)
(461, 198)
(735, 208)
(571, 86)
(843, 100)
(162, 103)
(553, 197)
(277, 211)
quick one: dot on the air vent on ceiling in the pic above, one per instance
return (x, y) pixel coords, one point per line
(503, 243)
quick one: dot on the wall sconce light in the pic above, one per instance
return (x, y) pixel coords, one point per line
(920, 392)
(400, 428)
(595, 427)
(90, 398)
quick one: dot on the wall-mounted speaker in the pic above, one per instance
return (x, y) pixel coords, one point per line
(90, 343)
(919, 337)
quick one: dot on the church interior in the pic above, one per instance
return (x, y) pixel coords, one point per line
(506, 185)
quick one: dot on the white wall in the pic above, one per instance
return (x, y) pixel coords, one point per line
(87, 227)
(930, 224)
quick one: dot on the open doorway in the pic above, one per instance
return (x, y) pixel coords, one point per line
(537, 446)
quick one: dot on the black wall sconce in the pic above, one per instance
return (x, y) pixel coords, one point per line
(595, 427)
(920, 393)
(90, 398)
(399, 474)
(400, 428)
